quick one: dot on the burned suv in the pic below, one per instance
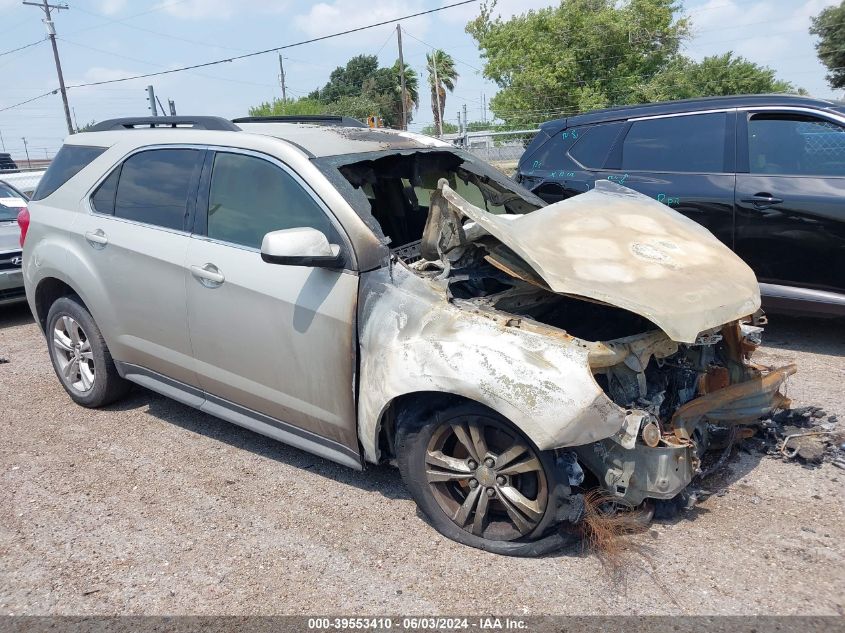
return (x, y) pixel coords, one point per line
(371, 295)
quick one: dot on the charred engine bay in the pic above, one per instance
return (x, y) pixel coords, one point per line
(660, 387)
(486, 286)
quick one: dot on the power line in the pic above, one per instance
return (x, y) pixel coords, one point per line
(122, 22)
(128, 17)
(46, 94)
(20, 48)
(276, 48)
(151, 63)
(389, 37)
(434, 48)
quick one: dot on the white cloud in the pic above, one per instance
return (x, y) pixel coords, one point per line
(110, 7)
(219, 9)
(325, 18)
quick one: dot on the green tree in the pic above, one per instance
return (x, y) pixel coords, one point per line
(442, 76)
(586, 54)
(355, 106)
(358, 89)
(86, 127)
(829, 25)
(718, 75)
(448, 128)
(385, 87)
(278, 107)
(348, 80)
(579, 55)
(412, 88)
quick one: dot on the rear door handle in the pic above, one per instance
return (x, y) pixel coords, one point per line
(208, 275)
(762, 200)
(97, 238)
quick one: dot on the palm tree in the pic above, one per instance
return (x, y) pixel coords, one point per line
(412, 90)
(441, 77)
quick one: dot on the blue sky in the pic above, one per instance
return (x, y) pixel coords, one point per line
(106, 39)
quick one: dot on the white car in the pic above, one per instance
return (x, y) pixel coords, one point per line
(12, 202)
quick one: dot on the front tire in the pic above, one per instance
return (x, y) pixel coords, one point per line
(480, 481)
(80, 357)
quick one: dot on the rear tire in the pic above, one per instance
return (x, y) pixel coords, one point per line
(80, 356)
(480, 481)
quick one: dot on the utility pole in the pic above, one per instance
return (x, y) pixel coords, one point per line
(466, 125)
(151, 97)
(75, 120)
(401, 74)
(282, 80)
(26, 149)
(172, 105)
(51, 32)
(2, 142)
(484, 107)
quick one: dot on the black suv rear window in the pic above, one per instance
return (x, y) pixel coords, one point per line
(70, 160)
(594, 145)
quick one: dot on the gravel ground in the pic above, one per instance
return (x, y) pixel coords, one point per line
(150, 507)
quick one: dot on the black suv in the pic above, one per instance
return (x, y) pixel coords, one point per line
(6, 163)
(764, 173)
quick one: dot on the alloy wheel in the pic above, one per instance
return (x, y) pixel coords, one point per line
(486, 478)
(73, 353)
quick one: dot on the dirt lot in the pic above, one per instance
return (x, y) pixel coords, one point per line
(151, 507)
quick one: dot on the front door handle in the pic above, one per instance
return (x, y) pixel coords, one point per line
(97, 238)
(762, 200)
(208, 275)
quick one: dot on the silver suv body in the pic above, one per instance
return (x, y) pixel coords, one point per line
(371, 295)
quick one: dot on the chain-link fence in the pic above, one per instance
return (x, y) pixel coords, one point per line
(24, 180)
(501, 149)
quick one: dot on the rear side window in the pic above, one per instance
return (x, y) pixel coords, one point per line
(251, 197)
(587, 145)
(70, 160)
(103, 198)
(594, 144)
(153, 187)
(552, 154)
(694, 143)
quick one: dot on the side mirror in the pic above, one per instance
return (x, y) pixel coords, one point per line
(300, 247)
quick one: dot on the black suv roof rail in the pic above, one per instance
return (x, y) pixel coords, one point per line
(316, 119)
(688, 105)
(195, 122)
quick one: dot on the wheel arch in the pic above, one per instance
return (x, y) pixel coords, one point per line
(48, 290)
(409, 404)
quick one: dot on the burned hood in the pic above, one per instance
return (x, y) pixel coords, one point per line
(620, 247)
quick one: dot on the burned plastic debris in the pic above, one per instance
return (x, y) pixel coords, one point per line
(807, 435)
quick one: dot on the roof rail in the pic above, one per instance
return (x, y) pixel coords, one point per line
(316, 119)
(195, 122)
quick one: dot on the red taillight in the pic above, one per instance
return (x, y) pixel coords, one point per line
(23, 222)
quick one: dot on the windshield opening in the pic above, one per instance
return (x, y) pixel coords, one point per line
(395, 190)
